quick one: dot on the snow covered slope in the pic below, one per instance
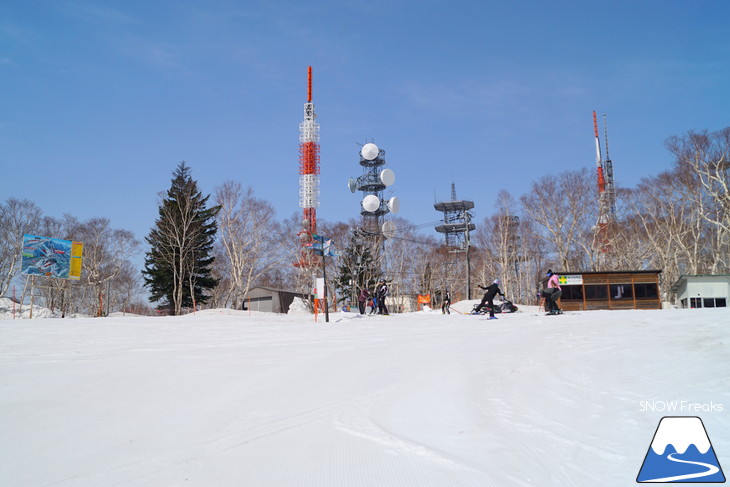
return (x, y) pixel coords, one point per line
(223, 398)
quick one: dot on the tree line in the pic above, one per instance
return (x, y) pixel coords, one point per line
(209, 251)
(109, 280)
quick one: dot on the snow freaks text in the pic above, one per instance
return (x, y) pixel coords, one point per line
(683, 407)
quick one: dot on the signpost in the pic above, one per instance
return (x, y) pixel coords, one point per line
(322, 246)
(51, 257)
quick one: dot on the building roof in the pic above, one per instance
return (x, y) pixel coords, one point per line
(588, 273)
(683, 277)
(276, 290)
(649, 271)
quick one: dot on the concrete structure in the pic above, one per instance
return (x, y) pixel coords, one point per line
(609, 290)
(272, 300)
(702, 291)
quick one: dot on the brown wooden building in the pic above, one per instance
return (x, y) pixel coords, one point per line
(610, 290)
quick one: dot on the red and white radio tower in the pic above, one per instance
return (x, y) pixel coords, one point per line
(606, 188)
(308, 171)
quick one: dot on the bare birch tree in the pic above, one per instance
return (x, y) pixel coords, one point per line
(707, 154)
(106, 255)
(564, 208)
(17, 217)
(248, 238)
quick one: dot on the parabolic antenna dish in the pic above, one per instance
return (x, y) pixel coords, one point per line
(387, 177)
(394, 204)
(371, 203)
(369, 151)
(352, 184)
(389, 229)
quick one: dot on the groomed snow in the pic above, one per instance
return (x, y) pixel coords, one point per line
(224, 398)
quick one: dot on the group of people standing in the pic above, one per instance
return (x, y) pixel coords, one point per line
(376, 300)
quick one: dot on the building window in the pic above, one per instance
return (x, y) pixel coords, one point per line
(714, 302)
(596, 291)
(695, 302)
(621, 291)
(572, 292)
(684, 302)
(647, 291)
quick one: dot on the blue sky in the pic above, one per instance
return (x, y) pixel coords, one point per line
(100, 100)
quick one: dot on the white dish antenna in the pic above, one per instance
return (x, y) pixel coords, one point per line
(369, 151)
(387, 177)
(352, 184)
(371, 203)
(389, 229)
(394, 204)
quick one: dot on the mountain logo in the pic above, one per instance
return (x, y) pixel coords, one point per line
(680, 452)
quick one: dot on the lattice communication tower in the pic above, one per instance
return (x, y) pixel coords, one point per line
(308, 175)
(456, 228)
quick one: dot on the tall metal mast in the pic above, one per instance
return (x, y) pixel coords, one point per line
(456, 227)
(606, 194)
(608, 166)
(599, 167)
(308, 172)
(309, 162)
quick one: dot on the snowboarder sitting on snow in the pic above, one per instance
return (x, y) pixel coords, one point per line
(488, 299)
(362, 299)
(552, 293)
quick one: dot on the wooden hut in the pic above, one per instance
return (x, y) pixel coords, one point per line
(610, 290)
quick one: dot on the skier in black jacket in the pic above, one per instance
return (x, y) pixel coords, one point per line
(381, 293)
(446, 304)
(491, 291)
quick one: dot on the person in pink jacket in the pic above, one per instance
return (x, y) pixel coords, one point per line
(553, 282)
(552, 293)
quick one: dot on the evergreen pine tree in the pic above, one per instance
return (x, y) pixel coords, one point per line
(179, 263)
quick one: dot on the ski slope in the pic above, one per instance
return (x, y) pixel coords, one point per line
(224, 398)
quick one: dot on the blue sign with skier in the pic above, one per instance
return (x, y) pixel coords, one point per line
(681, 452)
(51, 257)
(323, 246)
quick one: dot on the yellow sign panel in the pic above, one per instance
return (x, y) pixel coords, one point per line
(77, 248)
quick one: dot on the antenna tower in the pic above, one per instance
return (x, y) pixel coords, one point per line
(456, 227)
(374, 206)
(608, 166)
(308, 175)
(606, 188)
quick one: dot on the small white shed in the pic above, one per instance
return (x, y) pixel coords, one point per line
(702, 291)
